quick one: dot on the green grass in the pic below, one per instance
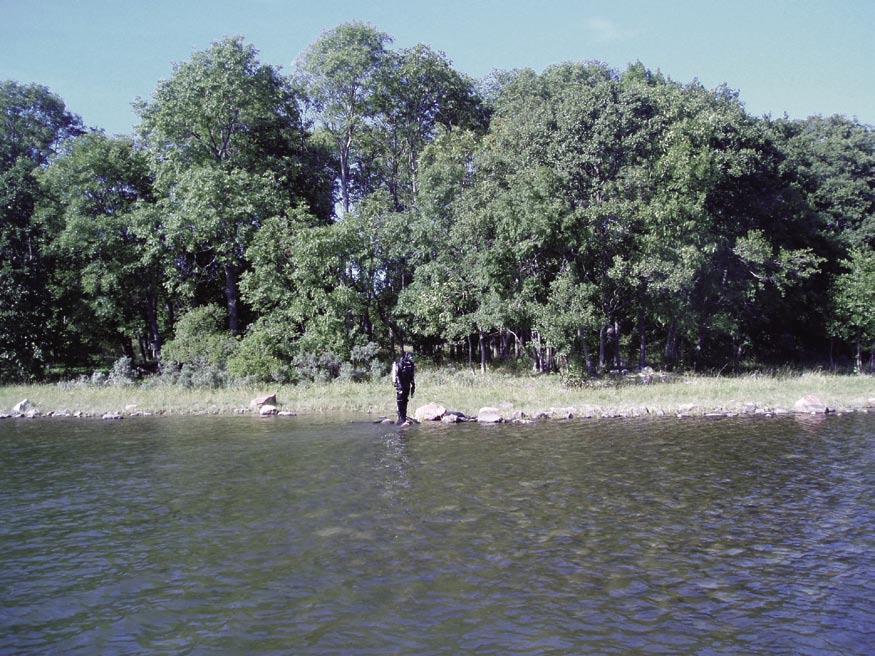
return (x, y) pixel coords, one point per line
(466, 391)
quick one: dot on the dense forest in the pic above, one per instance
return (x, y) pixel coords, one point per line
(264, 226)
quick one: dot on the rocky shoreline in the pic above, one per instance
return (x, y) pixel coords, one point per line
(267, 406)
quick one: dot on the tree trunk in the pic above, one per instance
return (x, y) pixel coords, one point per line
(671, 346)
(618, 360)
(232, 298)
(152, 322)
(470, 352)
(128, 348)
(482, 345)
(858, 358)
(832, 362)
(344, 171)
(603, 347)
(642, 337)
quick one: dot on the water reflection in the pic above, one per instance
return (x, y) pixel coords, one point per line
(229, 535)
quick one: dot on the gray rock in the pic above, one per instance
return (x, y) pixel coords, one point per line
(810, 404)
(450, 419)
(387, 421)
(3, 415)
(33, 412)
(112, 415)
(286, 413)
(430, 412)
(21, 407)
(260, 401)
(489, 415)
(267, 410)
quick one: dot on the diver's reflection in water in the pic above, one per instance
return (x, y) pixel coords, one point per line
(395, 463)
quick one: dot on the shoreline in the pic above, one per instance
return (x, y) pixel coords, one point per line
(519, 398)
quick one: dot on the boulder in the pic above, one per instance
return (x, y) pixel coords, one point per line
(286, 413)
(111, 415)
(3, 415)
(810, 404)
(260, 401)
(267, 410)
(450, 419)
(21, 407)
(33, 412)
(430, 412)
(489, 415)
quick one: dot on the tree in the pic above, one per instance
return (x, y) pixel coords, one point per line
(340, 73)
(101, 214)
(33, 124)
(854, 299)
(229, 149)
(418, 92)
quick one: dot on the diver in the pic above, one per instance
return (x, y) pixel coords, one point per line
(403, 377)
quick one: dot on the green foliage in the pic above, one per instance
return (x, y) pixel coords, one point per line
(854, 300)
(200, 338)
(34, 123)
(265, 352)
(585, 217)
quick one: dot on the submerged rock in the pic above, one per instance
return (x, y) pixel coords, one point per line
(286, 413)
(112, 415)
(450, 419)
(430, 412)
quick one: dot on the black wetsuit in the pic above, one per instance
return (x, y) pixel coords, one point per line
(405, 386)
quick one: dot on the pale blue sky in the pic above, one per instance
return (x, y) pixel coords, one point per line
(801, 57)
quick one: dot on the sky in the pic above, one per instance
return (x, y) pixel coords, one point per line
(798, 57)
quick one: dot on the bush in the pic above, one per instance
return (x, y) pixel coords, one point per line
(122, 373)
(264, 354)
(200, 337)
(201, 373)
(319, 368)
(575, 374)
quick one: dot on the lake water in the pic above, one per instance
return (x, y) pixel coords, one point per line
(285, 536)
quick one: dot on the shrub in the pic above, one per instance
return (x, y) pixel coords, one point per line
(200, 337)
(321, 368)
(264, 354)
(122, 373)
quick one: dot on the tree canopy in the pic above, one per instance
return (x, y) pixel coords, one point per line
(280, 227)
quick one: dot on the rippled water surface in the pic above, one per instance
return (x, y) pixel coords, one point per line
(203, 536)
